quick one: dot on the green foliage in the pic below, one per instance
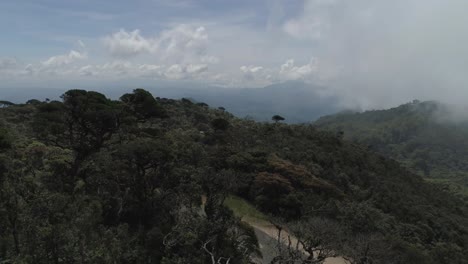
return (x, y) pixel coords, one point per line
(5, 139)
(91, 180)
(277, 118)
(142, 104)
(33, 102)
(83, 122)
(6, 103)
(220, 124)
(420, 135)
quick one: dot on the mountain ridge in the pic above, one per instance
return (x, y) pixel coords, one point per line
(425, 136)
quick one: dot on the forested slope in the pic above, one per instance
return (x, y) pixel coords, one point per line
(427, 137)
(144, 180)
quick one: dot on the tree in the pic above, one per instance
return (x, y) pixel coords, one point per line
(5, 139)
(142, 104)
(203, 104)
(33, 102)
(83, 122)
(368, 249)
(277, 118)
(220, 124)
(310, 241)
(6, 104)
(94, 185)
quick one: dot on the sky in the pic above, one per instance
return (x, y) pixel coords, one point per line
(370, 53)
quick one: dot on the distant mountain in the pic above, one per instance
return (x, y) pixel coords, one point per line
(296, 101)
(422, 135)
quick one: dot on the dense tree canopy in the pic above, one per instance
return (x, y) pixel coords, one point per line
(145, 180)
(425, 136)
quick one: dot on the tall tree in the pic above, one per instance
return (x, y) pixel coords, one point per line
(277, 118)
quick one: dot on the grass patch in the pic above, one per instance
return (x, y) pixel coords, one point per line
(242, 208)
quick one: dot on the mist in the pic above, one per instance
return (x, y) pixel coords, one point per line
(385, 53)
(367, 54)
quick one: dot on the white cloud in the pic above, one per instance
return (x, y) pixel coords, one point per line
(374, 53)
(251, 69)
(180, 44)
(125, 69)
(289, 71)
(312, 22)
(183, 43)
(259, 75)
(114, 70)
(196, 68)
(388, 52)
(110, 69)
(86, 71)
(252, 74)
(150, 70)
(61, 60)
(179, 72)
(176, 71)
(29, 70)
(125, 44)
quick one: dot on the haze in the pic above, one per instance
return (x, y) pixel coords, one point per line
(369, 54)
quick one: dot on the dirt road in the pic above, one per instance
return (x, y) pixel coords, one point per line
(267, 235)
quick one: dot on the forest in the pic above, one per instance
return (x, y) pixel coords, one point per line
(145, 179)
(429, 138)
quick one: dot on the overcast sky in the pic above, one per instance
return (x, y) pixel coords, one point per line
(372, 53)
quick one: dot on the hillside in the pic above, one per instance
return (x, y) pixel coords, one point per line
(425, 136)
(145, 180)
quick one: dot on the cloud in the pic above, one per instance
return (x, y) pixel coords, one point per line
(259, 75)
(373, 54)
(28, 70)
(150, 70)
(251, 69)
(126, 44)
(61, 60)
(86, 71)
(8, 63)
(183, 42)
(289, 71)
(115, 69)
(312, 21)
(253, 73)
(384, 53)
(125, 69)
(180, 44)
(176, 53)
(179, 72)
(81, 44)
